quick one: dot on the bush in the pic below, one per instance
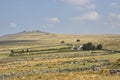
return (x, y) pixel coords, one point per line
(12, 51)
(62, 41)
(78, 40)
(88, 46)
(99, 47)
(27, 50)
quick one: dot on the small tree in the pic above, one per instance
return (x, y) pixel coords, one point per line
(27, 50)
(12, 51)
(62, 41)
(88, 46)
(99, 47)
(78, 40)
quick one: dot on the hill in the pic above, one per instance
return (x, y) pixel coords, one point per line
(39, 35)
(26, 35)
(30, 39)
(39, 55)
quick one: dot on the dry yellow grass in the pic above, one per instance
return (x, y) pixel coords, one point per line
(41, 39)
(69, 76)
(51, 41)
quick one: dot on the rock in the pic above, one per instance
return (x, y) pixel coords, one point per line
(112, 72)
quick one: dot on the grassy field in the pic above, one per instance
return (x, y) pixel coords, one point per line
(49, 59)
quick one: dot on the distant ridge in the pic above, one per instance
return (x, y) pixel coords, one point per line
(26, 35)
(37, 35)
(32, 31)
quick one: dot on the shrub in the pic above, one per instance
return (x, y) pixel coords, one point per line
(99, 47)
(88, 46)
(78, 40)
(27, 50)
(62, 41)
(12, 51)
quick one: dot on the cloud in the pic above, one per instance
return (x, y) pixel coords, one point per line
(82, 5)
(76, 2)
(114, 16)
(90, 16)
(86, 7)
(114, 5)
(112, 21)
(91, 6)
(12, 24)
(52, 20)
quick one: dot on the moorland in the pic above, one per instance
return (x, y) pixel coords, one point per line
(36, 55)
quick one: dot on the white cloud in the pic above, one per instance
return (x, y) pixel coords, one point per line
(86, 7)
(114, 5)
(114, 15)
(91, 6)
(76, 2)
(12, 24)
(112, 21)
(52, 20)
(90, 16)
(82, 5)
(112, 24)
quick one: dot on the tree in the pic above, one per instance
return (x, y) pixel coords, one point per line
(12, 51)
(27, 50)
(88, 46)
(62, 41)
(99, 47)
(78, 40)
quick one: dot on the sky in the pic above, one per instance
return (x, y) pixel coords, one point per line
(60, 16)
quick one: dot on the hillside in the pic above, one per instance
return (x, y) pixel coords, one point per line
(27, 35)
(28, 39)
(39, 55)
(39, 35)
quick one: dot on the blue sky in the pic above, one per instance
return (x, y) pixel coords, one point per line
(60, 16)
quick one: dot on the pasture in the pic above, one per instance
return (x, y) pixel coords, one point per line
(49, 59)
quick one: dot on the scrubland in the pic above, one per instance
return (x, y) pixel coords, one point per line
(48, 59)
